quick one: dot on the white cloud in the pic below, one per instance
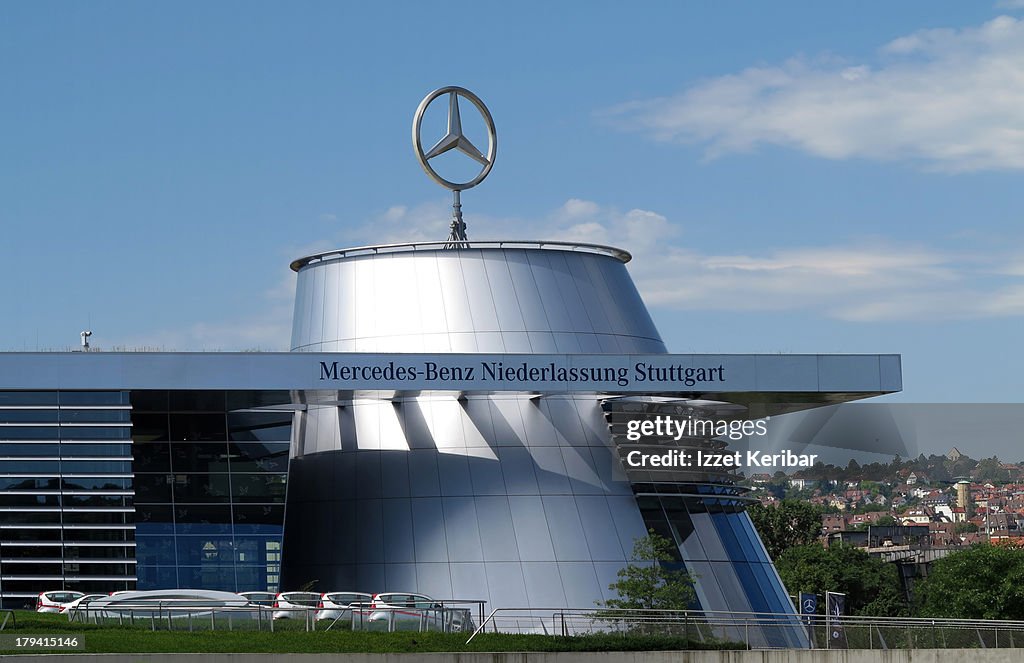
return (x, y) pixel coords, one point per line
(874, 280)
(950, 99)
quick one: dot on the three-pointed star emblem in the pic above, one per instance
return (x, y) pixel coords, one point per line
(454, 139)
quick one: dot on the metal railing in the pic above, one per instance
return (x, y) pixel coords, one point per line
(582, 247)
(761, 630)
(448, 616)
(445, 616)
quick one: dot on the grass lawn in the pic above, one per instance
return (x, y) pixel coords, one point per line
(140, 639)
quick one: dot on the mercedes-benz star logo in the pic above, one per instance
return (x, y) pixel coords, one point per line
(454, 139)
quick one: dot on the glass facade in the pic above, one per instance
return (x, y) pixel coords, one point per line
(66, 498)
(113, 490)
(210, 476)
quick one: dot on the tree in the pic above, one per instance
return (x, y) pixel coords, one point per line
(872, 587)
(982, 582)
(965, 528)
(654, 579)
(790, 523)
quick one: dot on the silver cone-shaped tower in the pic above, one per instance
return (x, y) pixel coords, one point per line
(519, 499)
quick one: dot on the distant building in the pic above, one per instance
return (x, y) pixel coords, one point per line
(954, 454)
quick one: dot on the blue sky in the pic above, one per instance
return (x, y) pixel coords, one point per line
(791, 177)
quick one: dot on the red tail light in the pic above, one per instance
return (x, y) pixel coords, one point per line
(320, 605)
(275, 604)
(39, 602)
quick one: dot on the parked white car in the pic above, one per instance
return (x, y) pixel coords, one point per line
(56, 601)
(337, 605)
(80, 604)
(293, 605)
(406, 611)
(260, 598)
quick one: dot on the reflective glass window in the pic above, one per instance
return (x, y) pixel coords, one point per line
(28, 499)
(72, 449)
(28, 416)
(29, 433)
(98, 483)
(93, 398)
(37, 449)
(29, 467)
(95, 416)
(98, 466)
(95, 433)
(29, 484)
(28, 398)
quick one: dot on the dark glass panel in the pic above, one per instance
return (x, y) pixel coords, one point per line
(99, 586)
(208, 576)
(149, 401)
(96, 483)
(31, 517)
(255, 519)
(191, 401)
(205, 549)
(30, 552)
(241, 400)
(199, 457)
(98, 552)
(91, 535)
(258, 487)
(253, 549)
(150, 427)
(157, 577)
(268, 457)
(155, 550)
(153, 488)
(152, 456)
(29, 534)
(200, 488)
(97, 500)
(198, 428)
(95, 517)
(28, 499)
(31, 484)
(202, 518)
(260, 426)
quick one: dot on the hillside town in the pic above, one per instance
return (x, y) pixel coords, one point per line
(928, 503)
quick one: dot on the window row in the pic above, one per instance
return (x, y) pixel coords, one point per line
(209, 488)
(211, 457)
(64, 416)
(64, 398)
(213, 427)
(67, 450)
